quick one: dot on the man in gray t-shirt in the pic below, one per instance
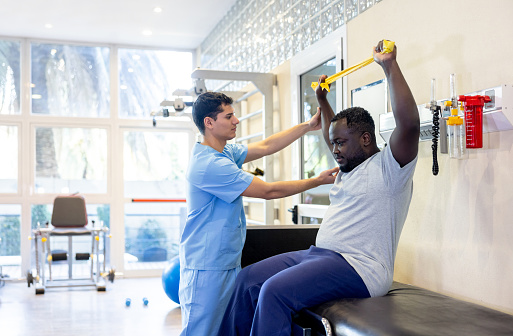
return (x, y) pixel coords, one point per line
(357, 241)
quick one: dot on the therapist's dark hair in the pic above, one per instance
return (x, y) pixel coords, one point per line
(208, 104)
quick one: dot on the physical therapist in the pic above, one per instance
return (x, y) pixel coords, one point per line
(215, 230)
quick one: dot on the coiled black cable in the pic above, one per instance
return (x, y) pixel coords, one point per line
(435, 132)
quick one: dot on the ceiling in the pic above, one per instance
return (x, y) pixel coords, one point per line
(181, 24)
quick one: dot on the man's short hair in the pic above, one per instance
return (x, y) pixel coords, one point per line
(208, 104)
(358, 120)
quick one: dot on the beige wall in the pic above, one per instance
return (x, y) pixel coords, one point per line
(458, 238)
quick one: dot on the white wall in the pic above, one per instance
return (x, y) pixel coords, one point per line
(458, 236)
(459, 233)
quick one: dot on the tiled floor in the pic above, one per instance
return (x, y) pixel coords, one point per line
(84, 311)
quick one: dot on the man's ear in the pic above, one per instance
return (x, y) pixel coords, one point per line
(366, 139)
(208, 122)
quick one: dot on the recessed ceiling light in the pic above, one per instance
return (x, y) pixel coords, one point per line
(147, 32)
(157, 10)
(48, 26)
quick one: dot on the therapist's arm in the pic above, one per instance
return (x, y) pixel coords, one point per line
(280, 140)
(272, 190)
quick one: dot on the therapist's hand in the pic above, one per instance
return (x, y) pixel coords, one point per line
(328, 176)
(315, 123)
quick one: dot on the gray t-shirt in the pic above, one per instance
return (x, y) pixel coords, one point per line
(368, 207)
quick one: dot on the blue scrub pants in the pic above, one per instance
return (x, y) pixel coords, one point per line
(267, 294)
(204, 296)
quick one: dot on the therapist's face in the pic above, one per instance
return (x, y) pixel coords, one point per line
(225, 125)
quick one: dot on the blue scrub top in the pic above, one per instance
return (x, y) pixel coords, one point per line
(215, 229)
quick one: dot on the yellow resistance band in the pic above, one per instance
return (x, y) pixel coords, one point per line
(388, 47)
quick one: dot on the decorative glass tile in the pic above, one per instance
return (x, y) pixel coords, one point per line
(277, 32)
(327, 22)
(304, 15)
(289, 46)
(351, 9)
(315, 30)
(325, 3)
(267, 16)
(267, 61)
(315, 7)
(288, 21)
(296, 46)
(305, 36)
(295, 18)
(281, 52)
(284, 5)
(250, 12)
(365, 4)
(274, 57)
(257, 23)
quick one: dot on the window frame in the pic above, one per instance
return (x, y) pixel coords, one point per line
(27, 122)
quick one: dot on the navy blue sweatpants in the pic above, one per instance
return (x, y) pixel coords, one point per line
(268, 293)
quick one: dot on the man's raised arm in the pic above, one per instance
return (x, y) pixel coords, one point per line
(404, 141)
(326, 111)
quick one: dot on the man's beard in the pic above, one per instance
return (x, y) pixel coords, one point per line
(353, 162)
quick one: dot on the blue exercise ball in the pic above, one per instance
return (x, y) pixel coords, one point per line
(171, 279)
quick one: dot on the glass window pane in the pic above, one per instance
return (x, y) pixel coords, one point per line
(9, 153)
(70, 160)
(316, 156)
(10, 77)
(152, 234)
(155, 164)
(147, 77)
(10, 238)
(70, 80)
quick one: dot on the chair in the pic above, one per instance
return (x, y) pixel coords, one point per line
(69, 219)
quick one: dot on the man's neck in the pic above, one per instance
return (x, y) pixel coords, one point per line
(213, 142)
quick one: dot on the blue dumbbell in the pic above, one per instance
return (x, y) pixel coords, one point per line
(145, 301)
(128, 302)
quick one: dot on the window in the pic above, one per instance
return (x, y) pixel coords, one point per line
(55, 136)
(71, 81)
(147, 77)
(70, 160)
(10, 77)
(152, 233)
(10, 238)
(9, 153)
(316, 156)
(155, 164)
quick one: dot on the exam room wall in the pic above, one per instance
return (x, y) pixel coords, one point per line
(458, 237)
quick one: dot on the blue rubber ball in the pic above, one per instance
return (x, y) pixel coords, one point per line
(171, 279)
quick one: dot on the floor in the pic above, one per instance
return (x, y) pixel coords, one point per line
(84, 311)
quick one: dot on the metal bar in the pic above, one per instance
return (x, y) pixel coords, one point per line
(70, 257)
(174, 200)
(251, 136)
(247, 95)
(251, 115)
(220, 88)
